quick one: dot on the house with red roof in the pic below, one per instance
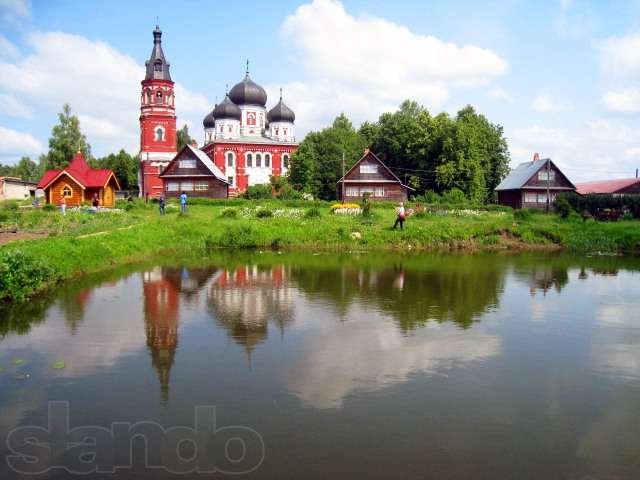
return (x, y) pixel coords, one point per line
(79, 183)
(625, 186)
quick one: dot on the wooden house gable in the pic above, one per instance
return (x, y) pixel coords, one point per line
(557, 178)
(370, 168)
(187, 164)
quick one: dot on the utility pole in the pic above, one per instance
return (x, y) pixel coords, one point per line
(343, 179)
(548, 183)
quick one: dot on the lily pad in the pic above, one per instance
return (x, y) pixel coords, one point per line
(59, 365)
(22, 376)
(18, 361)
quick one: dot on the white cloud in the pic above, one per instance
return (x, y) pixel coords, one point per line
(500, 94)
(619, 55)
(8, 49)
(14, 143)
(544, 103)
(11, 106)
(594, 150)
(99, 82)
(622, 101)
(365, 65)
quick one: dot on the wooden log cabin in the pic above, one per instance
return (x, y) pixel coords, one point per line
(79, 183)
(193, 172)
(370, 175)
(527, 185)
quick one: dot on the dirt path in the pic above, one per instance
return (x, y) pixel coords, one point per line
(7, 237)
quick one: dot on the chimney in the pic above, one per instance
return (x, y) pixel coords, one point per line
(366, 150)
(194, 143)
(636, 173)
(536, 156)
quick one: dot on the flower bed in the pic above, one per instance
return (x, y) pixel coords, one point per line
(346, 209)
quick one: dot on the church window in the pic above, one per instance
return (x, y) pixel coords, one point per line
(285, 161)
(284, 132)
(230, 180)
(258, 160)
(158, 66)
(159, 97)
(262, 120)
(229, 129)
(249, 160)
(159, 134)
(251, 118)
(267, 160)
(67, 192)
(229, 159)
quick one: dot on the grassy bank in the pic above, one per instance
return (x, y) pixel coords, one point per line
(82, 242)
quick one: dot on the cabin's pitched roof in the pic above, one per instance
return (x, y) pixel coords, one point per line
(606, 186)
(370, 154)
(204, 158)
(80, 171)
(520, 175)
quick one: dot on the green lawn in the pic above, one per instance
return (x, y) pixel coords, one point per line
(82, 242)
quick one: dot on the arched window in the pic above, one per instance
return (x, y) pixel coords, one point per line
(67, 192)
(159, 137)
(285, 161)
(157, 66)
(249, 160)
(229, 129)
(230, 159)
(258, 160)
(267, 160)
(262, 119)
(158, 97)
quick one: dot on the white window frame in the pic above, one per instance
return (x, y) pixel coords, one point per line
(542, 175)
(187, 163)
(230, 159)
(173, 186)
(352, 192)
(258, 160)
(368, 168)
(285, 160)
(186, 186)
(530, 197)
(201, 186)
(379, 192)
(267, 160)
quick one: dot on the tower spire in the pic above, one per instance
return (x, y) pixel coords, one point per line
(247, 71)
(280, 93)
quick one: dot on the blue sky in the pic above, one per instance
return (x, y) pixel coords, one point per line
(561, 76)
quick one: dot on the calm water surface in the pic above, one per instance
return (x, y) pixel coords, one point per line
(378, 367)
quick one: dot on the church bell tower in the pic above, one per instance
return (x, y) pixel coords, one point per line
(157, 120)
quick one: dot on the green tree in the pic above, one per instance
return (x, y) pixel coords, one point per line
(27, 169)
(183, 137)
(328, 147)
(302, 168)
(124, 166)
(66, 139)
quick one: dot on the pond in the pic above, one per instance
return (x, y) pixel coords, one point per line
(259, 365)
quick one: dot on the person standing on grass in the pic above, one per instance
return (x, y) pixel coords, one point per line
(399, 216)
(63, 206)
(183, 202)
(95, 202)
(161, 203)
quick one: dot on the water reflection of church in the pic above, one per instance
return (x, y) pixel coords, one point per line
(243, 301)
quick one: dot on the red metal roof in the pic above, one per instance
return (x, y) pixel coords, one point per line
(605, 186)
(80, 171)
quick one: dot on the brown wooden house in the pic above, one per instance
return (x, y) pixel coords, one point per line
(193, 172)
(527, 185)
(370, 175)
(79, 183)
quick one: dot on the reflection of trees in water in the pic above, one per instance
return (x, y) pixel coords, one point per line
(163, 289)
(246, 300)
(545, 277)
(459, 289)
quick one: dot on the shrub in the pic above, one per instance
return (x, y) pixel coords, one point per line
(522, 214)
(22, 274)
(562, 206)
(238, 236)
(366, 204)
(4, 216)
(313, 212)
(10, 205)
(431, 197)
(264, 213)
(229, 212)
(454, 196)
(257, 192)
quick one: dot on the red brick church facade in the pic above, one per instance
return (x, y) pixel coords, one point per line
(246, 142)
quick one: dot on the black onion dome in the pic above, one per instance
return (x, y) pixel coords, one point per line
(227, 109)
(248, 92)
(281, 113)
(209, 121)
